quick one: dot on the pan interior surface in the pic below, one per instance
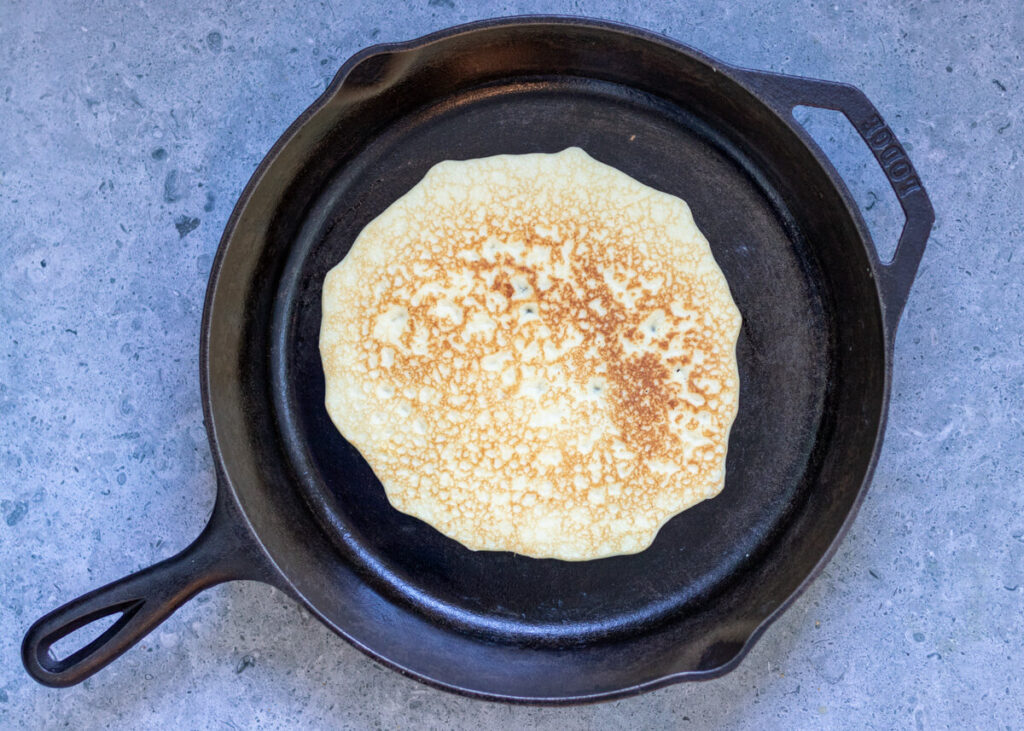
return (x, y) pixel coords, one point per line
(785, 356)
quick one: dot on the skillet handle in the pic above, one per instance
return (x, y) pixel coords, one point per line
(143, 600)
(895, 277)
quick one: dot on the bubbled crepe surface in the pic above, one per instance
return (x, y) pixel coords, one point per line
(534, 353)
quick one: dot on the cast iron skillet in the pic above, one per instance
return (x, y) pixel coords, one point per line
(297, 507)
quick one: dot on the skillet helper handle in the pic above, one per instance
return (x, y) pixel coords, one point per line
(897, 275)
(142, 600)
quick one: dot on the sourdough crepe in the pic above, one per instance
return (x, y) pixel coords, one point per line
(535, 353)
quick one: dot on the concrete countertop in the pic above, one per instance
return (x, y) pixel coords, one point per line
(127, 131)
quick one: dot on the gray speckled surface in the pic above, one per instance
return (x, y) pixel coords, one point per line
(129, 129)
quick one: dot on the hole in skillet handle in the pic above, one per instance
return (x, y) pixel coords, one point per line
(71, 643)
(856, 165)
(785, 92)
